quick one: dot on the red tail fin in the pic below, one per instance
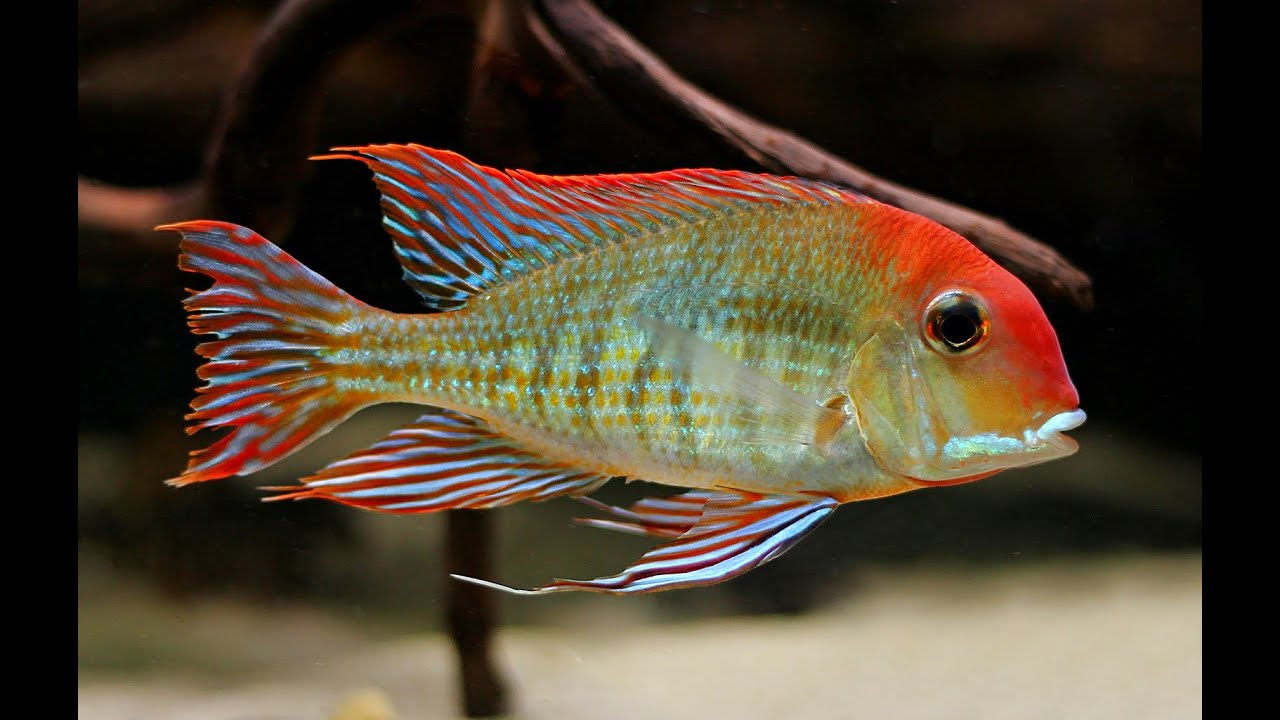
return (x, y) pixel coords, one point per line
(269, 372)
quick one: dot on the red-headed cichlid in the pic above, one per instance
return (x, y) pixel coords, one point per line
(778, 346)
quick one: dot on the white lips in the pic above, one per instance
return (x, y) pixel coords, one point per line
(1060, 423)
(1050, 434)
(971, 454)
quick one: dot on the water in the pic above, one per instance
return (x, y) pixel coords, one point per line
(202, 602)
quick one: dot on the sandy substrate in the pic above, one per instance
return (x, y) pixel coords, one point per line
(1098, 640)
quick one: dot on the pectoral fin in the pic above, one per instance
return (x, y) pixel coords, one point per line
(760, 409)
(735, 533)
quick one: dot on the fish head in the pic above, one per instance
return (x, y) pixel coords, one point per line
(963, 379)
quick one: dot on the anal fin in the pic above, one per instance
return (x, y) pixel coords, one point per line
(444, 460)
(668, 517)
(734, 533)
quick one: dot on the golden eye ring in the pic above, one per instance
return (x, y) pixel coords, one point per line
(956, 323)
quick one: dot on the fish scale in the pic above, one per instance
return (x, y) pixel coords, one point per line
(774, 346)
(578, 379)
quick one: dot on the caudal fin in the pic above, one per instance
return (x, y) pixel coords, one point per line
(270, 372)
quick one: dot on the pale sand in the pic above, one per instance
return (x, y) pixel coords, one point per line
(1095, 640)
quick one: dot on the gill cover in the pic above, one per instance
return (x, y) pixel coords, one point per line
(940, 420)
(896, 412)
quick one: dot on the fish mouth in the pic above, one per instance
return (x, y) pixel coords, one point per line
(1051, 432)
(968, 458)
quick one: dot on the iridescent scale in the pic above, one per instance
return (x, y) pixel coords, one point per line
(561, 360)
(695, 328)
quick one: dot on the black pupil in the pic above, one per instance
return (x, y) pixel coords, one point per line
(959, 326)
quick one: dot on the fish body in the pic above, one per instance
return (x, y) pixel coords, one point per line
(777, 346)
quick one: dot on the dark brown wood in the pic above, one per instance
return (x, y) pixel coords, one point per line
(514, 102)
(523, 66)
(471, 611)
(256, 157)
(129, 211)
(638, 81)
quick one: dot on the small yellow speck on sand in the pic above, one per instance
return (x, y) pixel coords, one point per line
(365, 704)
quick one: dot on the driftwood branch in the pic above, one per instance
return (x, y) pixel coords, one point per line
(254, 163)
(257, 154)
(256, 157)
(513, 108)
(638, 81)
(128, 211)
(471, 612)
(526, 58)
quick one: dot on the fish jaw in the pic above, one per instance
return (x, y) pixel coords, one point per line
(916, 430)
(977, 456)
(1051, 432)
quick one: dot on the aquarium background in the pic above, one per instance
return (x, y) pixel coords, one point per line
(1078, 123)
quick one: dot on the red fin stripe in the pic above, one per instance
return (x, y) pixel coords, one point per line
(444, 460)
(660, 517)
(724, 544)
(266, 377)
(737, 532)
(460, 228)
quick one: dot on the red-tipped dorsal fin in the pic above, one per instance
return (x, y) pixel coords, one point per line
(461, 228)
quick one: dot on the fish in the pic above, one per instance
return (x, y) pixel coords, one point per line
(773, 346)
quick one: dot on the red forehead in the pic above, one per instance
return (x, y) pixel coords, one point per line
(933, 259)
(1024, 337)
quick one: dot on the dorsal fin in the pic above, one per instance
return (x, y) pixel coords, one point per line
(461, 228)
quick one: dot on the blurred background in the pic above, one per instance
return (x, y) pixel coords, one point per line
(1076, 122)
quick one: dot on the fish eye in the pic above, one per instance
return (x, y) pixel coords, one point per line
(955, 322)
